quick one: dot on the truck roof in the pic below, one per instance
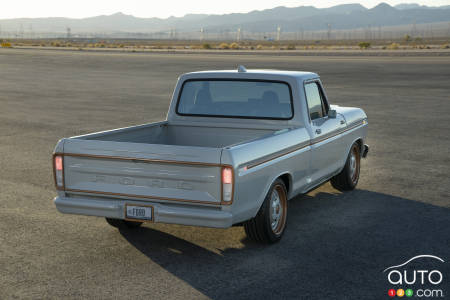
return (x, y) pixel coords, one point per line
(241, 72)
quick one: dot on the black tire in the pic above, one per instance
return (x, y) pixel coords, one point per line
(349, 176)
(260, 227)
(122, 224)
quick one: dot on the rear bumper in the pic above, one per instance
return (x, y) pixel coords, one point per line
(174, 214)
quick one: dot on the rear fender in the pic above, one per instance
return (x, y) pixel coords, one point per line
(267, 188)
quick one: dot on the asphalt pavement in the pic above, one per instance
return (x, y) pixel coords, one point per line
(336, 245)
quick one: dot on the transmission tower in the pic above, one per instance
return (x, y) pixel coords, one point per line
(329, 32)
(278, 33)
(238, 35)
(202, 34)
(68, 33)
(21, 31)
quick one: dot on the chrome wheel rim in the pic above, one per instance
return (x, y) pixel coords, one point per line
(277, 209)
(354, 164)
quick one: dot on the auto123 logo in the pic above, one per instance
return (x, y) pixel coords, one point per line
(417, 277)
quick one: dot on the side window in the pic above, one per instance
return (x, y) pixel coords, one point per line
(314, 98)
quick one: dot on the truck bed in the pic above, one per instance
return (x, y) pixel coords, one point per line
(181, 135)
(156, 161)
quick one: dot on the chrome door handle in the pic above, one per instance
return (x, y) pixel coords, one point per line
(318, 131)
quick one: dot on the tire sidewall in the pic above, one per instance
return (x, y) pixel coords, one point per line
(350, 180)
(274, 237)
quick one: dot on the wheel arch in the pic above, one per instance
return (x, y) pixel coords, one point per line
(358, 140)
(286, 177)
(360, 143)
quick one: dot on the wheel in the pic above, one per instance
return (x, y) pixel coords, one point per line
(122, 224)
(349, 176)
(269, 224)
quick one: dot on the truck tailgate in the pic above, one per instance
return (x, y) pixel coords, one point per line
(143, 171)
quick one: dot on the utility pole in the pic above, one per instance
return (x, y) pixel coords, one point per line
(172, 34)
(414, 29)
(300, 34)
(30, 31)
(202, 36)
(68, 33)
(21, 31)
(329, 32)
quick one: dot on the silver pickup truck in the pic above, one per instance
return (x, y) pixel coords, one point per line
(235, 147)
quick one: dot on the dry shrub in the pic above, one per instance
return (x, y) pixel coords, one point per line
(364, 45)
(291, 47)
(393, 46)
(206, 46)
(224, 46)
(234, 46)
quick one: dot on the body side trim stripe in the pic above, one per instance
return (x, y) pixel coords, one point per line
(144, 160)
(304, 145)
(144, 197)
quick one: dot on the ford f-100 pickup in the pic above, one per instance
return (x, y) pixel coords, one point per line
(235, 147)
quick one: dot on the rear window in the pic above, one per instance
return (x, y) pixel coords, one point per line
(236, 98)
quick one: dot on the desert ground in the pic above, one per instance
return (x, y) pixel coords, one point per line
(336, 245)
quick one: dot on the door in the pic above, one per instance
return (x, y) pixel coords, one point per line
(326, 143)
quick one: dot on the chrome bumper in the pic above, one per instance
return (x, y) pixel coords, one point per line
(365, 151)
(174, 214)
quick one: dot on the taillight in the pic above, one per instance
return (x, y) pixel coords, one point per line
(58, 166)
(227, 184)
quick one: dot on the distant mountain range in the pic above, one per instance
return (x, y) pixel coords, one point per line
(347, 16)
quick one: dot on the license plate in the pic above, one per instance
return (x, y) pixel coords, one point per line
(139, 212)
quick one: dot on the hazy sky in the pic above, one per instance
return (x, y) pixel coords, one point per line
(164, 8)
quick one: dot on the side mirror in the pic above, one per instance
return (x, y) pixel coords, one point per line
(332, 114)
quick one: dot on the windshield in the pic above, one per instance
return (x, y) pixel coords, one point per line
(236, 98)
